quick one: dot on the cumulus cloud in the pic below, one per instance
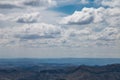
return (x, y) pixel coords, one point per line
(41, 3)
(111, 3)
(2, 16)
(88, 37)
(84, 1)
(6, 4)
(107, 34)
(28, 18)
(33, 33)
(38, 31)
(113, 16)
(76, 33)
(92, 15)
(86, 16)
(71, 2)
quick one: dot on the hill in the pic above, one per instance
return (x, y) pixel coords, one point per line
(50, 72)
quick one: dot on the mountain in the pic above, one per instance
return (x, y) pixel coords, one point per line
(108, 72)
(56, 72)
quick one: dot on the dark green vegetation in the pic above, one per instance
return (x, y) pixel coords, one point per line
(60, 72)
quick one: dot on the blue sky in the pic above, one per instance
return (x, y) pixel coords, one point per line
(59, 28)
(71, 8)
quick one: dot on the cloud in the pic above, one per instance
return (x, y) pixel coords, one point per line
(113, 16)
(38, 31)
(2, 16)
(76, 33)
(71, 2)
(5, 4)
(111, 3)
(86, 16)
(35, 34)
(28, 18)
(52, 35)
(109, 33)
(8, 6)
(40, 3)
(93, 15)
(90, 26)
(88, 37)
(84, 1)
(34, 16)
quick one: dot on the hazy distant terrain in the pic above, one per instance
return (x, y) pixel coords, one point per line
(72, 61)
(59, 69)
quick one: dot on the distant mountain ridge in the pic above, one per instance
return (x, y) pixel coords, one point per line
(68, 61)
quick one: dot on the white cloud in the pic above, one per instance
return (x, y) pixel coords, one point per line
(40, 29)
(86, 16)
(7, 4)
(89, 37)
(41, 3)
(107, 34)
(28, 18)
(37, 31)
(84, 1)
(42, 34)
(70, 2)
(2, 17)
(111, 16)
(111, 3)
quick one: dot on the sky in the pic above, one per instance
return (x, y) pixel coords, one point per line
(59, 29)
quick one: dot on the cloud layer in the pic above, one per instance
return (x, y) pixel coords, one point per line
(52, 35)
(34, 23)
